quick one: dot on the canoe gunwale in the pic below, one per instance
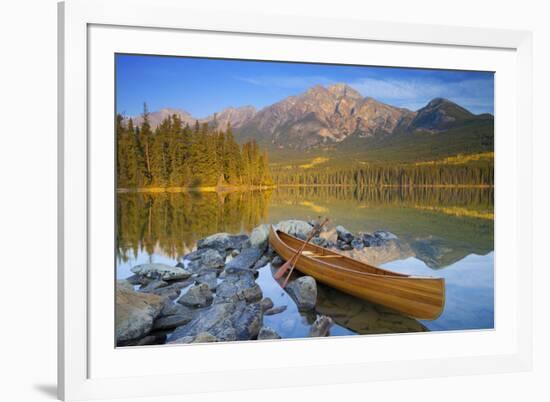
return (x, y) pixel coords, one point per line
(388, 274)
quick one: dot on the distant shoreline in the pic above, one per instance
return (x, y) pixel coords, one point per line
(206, 189)
(227, 189)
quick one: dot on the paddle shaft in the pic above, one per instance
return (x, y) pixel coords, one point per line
(281, 271)
(292, 262)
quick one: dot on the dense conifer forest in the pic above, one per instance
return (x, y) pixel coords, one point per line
(176, 155)
(436, 174)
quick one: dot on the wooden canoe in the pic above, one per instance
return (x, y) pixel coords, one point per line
(415, 296)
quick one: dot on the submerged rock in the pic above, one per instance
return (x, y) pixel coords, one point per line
(266, 304)
(304, 292)
(321, 326)
(275, 310)
(161, 271)
(384, 235)
(295, 227)
(268, 333)
(135, 313)
(197, 296)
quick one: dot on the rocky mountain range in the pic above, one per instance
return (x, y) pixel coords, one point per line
(329, 116)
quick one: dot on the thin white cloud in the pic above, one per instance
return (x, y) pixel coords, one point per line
(474, 94)
(287, 82)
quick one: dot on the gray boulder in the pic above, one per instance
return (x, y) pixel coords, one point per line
(244, 261)
(124, 284)
(342, 245)
(259, 237)
(357, 243)
(153, 285)
(138, 280)
(295, 227)
(321, 326)
(241, 286)
(261, 262)
(209, 278)
(172, 321)
(319, 241)
(304, 292)
(171, 308)
(135, 313)
(223, 242)
(197, 296)
(204, 337)
(193, 256)
(172, 291)
(344, 235)
(226, 321)
(247, 320)
(212, 259)
(161, 271)
(268, 333)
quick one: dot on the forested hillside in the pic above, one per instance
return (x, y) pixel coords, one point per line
(176, 155)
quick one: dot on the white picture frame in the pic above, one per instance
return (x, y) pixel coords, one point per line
(91, 369)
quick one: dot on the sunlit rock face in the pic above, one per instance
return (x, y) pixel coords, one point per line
(323, 116)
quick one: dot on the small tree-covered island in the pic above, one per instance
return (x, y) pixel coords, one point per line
(338, 200)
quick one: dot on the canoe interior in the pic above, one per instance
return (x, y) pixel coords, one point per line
(418, 297)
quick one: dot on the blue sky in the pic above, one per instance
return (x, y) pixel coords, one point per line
(205, 86)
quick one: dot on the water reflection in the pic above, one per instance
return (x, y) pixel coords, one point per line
(448, 230)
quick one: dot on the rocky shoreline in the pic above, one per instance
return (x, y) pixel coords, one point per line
(213, 295)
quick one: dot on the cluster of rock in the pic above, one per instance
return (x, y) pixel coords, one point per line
(212, 294)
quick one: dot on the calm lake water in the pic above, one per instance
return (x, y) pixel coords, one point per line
(447, 232)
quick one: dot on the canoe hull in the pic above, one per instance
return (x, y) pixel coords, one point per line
(418, 297)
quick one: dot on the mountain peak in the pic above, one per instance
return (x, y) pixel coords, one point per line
(440, 114)
(435, 102)
(344, 90)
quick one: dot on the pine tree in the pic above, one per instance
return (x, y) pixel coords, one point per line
(145, 139)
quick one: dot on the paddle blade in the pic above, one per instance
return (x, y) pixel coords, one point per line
(282, 269)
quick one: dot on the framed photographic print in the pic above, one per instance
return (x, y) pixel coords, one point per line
(340, 201)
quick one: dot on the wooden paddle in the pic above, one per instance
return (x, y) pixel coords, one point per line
(292, 261)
